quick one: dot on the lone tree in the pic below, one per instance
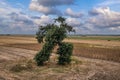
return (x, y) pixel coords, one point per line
(53, 35)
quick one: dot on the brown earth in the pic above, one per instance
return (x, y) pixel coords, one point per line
(14, 40)
(16, 63)
(97, 42)
(80, 69)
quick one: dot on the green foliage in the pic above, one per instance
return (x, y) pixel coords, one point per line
(44, 54)
(42, 31)
(53, 35)
(65, 52)
(60, 20)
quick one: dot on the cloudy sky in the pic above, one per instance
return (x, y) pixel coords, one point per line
(86, 16)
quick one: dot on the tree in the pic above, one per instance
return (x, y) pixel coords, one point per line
(52, 35)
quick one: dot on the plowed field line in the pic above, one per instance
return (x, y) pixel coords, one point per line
(15, 53)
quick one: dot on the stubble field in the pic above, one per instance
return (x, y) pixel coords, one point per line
(93, 59)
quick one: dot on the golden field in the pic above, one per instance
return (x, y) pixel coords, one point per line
(93, 59)
(100, 49)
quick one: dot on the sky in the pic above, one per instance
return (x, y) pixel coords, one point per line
(86, 16)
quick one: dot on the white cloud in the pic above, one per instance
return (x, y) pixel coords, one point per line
(115, 28)
(71, 13)
(13, 19)
(35, 6)
(105, 18)
(44, 20)
(109, 2)
(73, 22)
(101, 19)
(49, 7)
(7, 9)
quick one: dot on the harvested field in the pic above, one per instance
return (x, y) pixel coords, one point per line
(18, 64)
(11, 53)
(98, 49)
(91, 61)
(103, 43)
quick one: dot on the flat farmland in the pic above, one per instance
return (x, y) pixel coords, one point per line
(91, 58)
(98, 49)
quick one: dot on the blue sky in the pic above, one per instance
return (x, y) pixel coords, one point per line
(86, 16)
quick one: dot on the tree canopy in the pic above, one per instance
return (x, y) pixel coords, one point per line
(52, 35)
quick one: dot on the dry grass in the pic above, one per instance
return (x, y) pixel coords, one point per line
(16, 40)
(16, 61)
(81, 49)
(79, 69)
(91, 51)
(100, 49)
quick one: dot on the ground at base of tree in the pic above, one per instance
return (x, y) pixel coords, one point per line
(80, 68)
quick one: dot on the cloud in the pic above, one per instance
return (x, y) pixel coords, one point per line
(6, 9)
(73, 22)
(13, 20)
(71, 13)
(102, 11)
(109, 2)
(105, 18)
(18, 21)
(44, 9)
(49, 7)
(54, 2)
(43, 20)
(100, 19)
(93, 12)
(117, 28)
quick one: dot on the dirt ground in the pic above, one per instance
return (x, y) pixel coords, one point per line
(80, 69)
(14, 40)
(18, 64)
(97, 42)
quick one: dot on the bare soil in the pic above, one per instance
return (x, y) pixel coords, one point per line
(97, 42)
(80, 69)
(16, 63)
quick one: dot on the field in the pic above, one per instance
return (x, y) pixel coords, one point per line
(94, 58)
